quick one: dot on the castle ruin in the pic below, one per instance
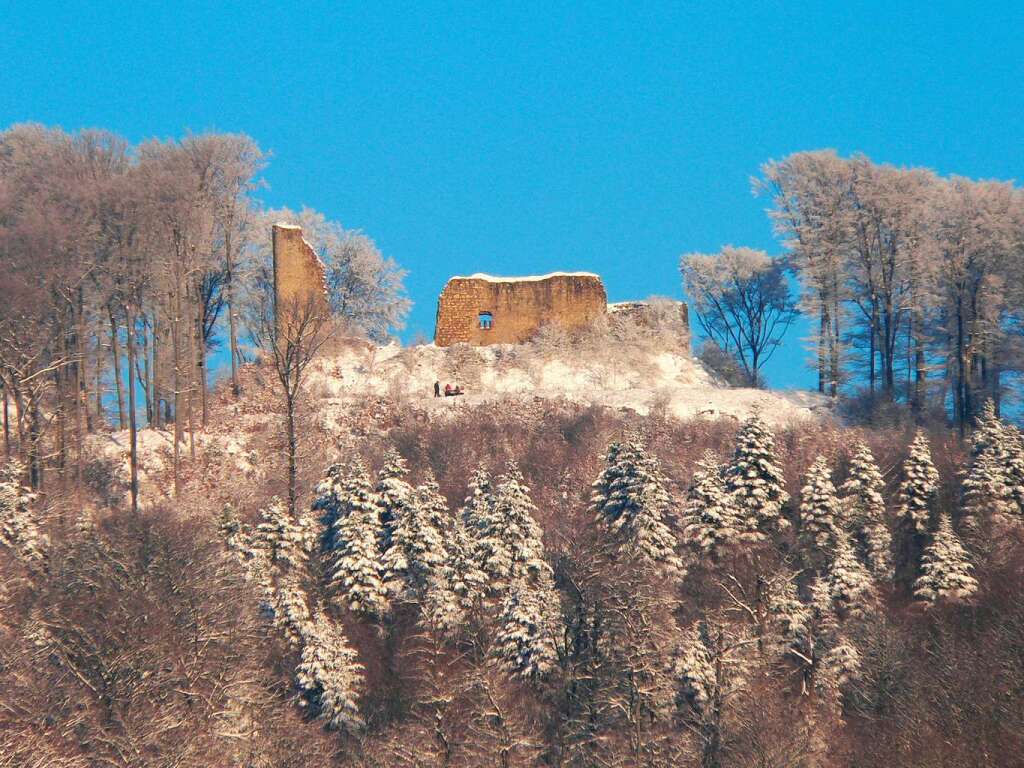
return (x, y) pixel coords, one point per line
(300, 279)
(482, 309)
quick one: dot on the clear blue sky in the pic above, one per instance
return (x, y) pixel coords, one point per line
(523, 138)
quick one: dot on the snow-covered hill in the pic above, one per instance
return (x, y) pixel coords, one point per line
(664, 381)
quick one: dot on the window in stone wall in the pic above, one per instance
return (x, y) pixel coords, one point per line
(486, 321)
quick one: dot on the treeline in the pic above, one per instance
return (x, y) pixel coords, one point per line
(914, 280)
(125, 268)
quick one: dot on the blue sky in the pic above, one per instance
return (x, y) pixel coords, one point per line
(522, 138)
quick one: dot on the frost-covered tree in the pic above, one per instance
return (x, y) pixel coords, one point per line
(391, 494)
(328, 500)
(478, 504)
(631, 503)
(351, 544)
(988, 488)
(919, 486)
(454, 591)
(528, 629)
(755, 481)
(329, 674)
(945, 568)
(506, 539)
(277, 556)
(418, 546)
(19, 529)
(864, 506)
(710, 523)
(820, 515)
(848, 583)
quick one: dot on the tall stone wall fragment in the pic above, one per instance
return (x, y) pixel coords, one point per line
(300, 278)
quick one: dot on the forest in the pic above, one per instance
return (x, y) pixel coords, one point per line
(260, 576)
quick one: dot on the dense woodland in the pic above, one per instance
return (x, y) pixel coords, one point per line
(540, 584)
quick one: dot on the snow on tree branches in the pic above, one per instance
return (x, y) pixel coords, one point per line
(19, 529)
(329, 675)
(988, 490)
(527, 629)
(864, 504)
(391, 494)
(920, 485)
(631, 502)
(710, 521)
(352, 543)
(819, 513)
(945, 568)
(755, 481)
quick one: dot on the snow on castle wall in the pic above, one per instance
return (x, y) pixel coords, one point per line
(482, 309)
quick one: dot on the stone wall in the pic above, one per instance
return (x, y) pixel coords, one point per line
(300, 280)
(518, 307)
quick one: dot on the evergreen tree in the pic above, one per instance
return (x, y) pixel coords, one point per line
(329, 675)
(1014, 467)
(392, 494)
(525, 641)
(862, 497)
(354, 571)
(987, 491)
(507, 541)
(454, 591)
(710, 522)
(945, 569)
(819, 513)
(848, 582)
(920, 485)
(476, 509)
(417, 545)
(755, 481)
(631, 502)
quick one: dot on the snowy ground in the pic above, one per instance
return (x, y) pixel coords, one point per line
(669, 382)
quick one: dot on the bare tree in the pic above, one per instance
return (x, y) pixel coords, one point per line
(742, 301)
(295, 333)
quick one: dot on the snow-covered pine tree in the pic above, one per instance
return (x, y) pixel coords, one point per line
(631, 502)
(710, 522)
(987, 491)
(528, 628)
(327, 501)
(19, 529)
(862, 497)
(694, 669)
(945, 568)
(1014, 472)
(476, 509)
(329, 674)
(417, 543)
(755, 481)
(354, 573)
(276, 556)
(849, 584)
(919, 486)
(819, 514)
(455, 591)
(391, 494)
(507, 541)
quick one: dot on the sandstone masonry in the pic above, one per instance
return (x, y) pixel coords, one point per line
(482, 309)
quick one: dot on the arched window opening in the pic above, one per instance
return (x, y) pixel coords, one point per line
(486, 321)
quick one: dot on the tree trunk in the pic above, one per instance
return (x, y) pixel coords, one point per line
(229, 293)
(176, 352)
(132, 429)
(292, 450)
(115, 346)
(201, 358)
(7, 424)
